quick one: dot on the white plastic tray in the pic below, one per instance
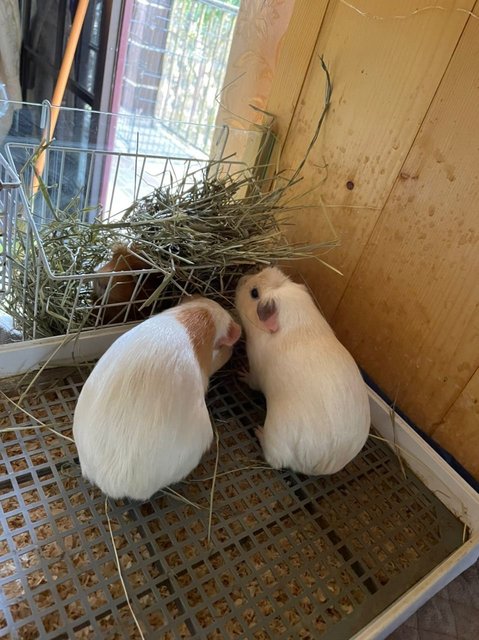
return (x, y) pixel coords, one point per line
(434, 472)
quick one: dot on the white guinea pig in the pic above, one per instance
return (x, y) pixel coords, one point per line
(317, 415)
(141, 421)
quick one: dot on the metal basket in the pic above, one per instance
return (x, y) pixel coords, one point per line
(10, 197)
(101, 184)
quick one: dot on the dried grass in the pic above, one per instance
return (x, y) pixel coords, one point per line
(117, 560)
(198, 235)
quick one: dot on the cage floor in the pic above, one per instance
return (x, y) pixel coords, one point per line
(290, 556)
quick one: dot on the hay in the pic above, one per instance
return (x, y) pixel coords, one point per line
(30, 427)
(198, 235)
(213, 482)
(117, 560)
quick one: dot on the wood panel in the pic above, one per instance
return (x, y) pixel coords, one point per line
(459, 431)
(410, 313)
(385, 74)
(270, 54)
(297, 48)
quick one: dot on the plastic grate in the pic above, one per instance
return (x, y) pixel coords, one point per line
(291, 556)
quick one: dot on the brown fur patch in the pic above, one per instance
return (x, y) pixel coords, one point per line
(123, 287)
(201, 330)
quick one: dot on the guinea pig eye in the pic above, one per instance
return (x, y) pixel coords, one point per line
(254, 293)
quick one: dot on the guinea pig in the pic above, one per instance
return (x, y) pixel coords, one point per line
(123, 288)
(141, 421)
(317, 408)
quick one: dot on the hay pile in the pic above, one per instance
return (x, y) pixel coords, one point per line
(196, 235)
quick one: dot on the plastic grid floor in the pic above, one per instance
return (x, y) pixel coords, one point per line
(291, 556)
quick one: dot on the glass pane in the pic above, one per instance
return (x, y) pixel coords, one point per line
(173, 68)
(86, 58)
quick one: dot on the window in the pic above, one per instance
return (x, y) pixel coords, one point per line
(172, 60)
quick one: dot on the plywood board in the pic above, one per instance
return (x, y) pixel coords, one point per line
(410, 312)
(270, 54)
(459, 431)
(385, 75)
(297, 47)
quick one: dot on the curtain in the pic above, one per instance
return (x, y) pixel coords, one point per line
(10, 43)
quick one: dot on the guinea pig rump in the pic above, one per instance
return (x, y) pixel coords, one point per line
(133, 428)
(141, 422)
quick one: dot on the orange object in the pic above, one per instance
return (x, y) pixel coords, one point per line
(62, 80)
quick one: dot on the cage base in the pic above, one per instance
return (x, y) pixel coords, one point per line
(290, 556)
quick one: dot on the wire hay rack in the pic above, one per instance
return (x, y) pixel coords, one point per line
(180, 227)
(9, 201)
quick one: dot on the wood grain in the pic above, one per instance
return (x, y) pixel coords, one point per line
(385, 75)
(297, 48)
(459, 431)
(269, 59)
(410, 313)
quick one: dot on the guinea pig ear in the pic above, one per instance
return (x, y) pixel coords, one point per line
(189, 298)
(268, 314)
(233, 335)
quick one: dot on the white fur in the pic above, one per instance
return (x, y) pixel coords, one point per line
(317, 404)
(141, 421)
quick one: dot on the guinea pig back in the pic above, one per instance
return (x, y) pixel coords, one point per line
(317, 416)
(141, 421)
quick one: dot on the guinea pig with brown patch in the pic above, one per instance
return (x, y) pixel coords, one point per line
(317, 416)
(141, 421)
(116, 291)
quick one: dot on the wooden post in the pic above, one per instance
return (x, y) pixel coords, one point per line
(62, 80)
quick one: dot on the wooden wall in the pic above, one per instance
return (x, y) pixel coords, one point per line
(404, 130)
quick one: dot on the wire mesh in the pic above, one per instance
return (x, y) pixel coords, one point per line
(87, 184)
(9, 202)
(290, 557)
(102, 183)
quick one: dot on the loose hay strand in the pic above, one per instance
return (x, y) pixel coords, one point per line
(117, 560)
(392, 416)
(213, 483)
(44, 365)
(168, 491)
(40, 423)
(252, 467)
(398, 450)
